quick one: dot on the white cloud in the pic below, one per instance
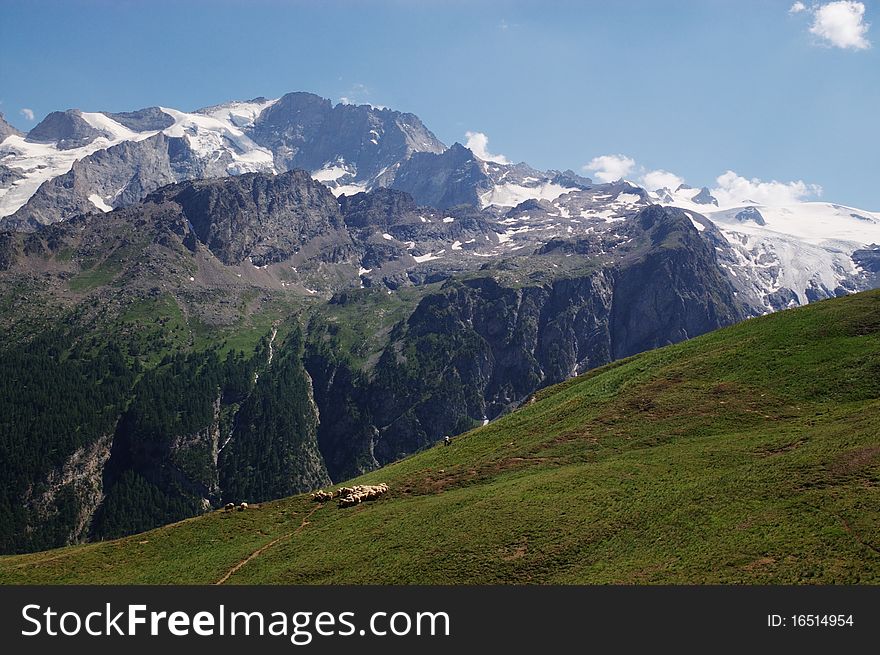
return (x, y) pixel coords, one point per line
(27, 113)
(608, 168)
(479, 145)
(840, 24)
(653, 180)
(345, 100)
(733, 189)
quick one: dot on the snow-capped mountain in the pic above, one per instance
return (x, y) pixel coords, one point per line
(790, 254)
(457, 176)
(76, 161)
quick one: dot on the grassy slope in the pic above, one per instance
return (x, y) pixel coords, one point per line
(748, 455)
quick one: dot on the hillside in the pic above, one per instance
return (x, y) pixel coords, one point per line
(137, 379)
(748, 455)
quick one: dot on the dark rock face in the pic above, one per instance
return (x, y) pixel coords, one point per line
(67, 129)
(346, 434)
(530, 205)
(306, 131)
(705, 198)
(868, 259)
(568, 178)
(8, 176)
(143, 120)
(750, 214)
(258, 217)
(782, 299)
(478, 348)
(381, 208)
(7, 250)
(6, 129)
(442, 180)
(674, 292)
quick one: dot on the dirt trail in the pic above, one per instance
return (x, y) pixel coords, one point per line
(263, 549)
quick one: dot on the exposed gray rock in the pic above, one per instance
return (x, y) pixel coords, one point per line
(120, 175)
(66, 129)
(381, 208)
(143, 120)
(306, 131)
(8, 176)
(482, 345)
(261, 218)
(704, 198)
(782, 299)
(750, 214)
(6, 129)
(868, 258)
(568, 178)
(454, 177)
(80, 480)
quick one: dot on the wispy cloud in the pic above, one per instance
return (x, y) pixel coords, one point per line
(27, 113)
(733, 189)
(478, 143)
(838, 24)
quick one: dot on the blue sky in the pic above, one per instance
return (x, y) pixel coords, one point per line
(693, 87)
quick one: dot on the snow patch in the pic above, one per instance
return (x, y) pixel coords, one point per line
(98, 202)
(510, 194)
(211, 137)
(348, 189)
(628, 198)
(330, 173)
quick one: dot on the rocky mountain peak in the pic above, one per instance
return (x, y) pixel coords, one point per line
(443, 180)
(67, 129)
(378, 208)
(704, 197)
(255, 216)
(306, 131)
(6, 129)
(143, 120)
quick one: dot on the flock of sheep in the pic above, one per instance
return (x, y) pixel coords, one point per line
(349, 496)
